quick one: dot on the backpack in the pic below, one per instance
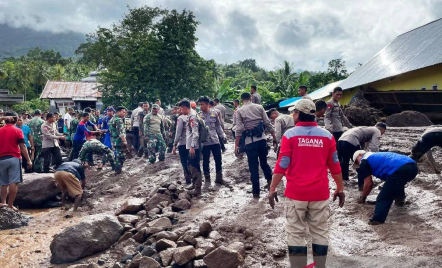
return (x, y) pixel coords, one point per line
(203, 130)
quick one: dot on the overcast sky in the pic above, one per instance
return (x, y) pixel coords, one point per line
(305, 33)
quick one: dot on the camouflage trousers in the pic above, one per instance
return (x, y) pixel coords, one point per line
(120, 154)
(104, 151)
(38, 160)
(154, 144)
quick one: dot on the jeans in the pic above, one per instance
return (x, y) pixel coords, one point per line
(216, 151)
(394, 188)
(345, 153)
(257, 155)
(184, 155)
(47, 152)
(136, 131)
(195, 161)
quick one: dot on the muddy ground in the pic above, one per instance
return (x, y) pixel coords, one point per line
(412, 236)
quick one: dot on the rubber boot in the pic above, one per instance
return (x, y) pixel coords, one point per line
(297, 256)
(207, 177)
(140, 153)
(188, 178)
(219, 179)
(198, 182)
(319, 255)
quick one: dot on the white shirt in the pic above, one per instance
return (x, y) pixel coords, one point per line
(67, 117)
(134, 116)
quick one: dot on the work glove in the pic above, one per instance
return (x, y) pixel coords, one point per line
(272, 198)
(361, 200)
(341, 197)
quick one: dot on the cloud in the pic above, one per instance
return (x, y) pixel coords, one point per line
(307, 34)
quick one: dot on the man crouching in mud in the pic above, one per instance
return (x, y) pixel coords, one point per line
(71, 179)
(307, 151)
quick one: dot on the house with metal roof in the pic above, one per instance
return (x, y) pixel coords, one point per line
(7, 100)
(404, 75)
(76, 94)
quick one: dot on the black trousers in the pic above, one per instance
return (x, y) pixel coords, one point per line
(394, 188)
(216, 151)
(24, 163)
(257, 156)
(424, 144)
(345, 153)
(184, 155)
(76, 148)
(136, 131)
(47, 153)
(195, 161)
(337, 135)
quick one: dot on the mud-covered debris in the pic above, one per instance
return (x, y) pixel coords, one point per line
(172, 188)
(215, 236)
(36, 189)
(166, 256)
(204, 244)
(135, 263)
(184, 255)
(205, 229)
(147, 262)
(167, 235)
(10, 219)
(84, 265)
(131, 206)
(200, 253)
(92, 235)
(363, 115)
(164, 244)
(155, 200)
(238, 247)
(223, 257)
(148, 251)
(248, 233)
(184, 196)
(199, 264)
(140, 236)
(190, 240)
(181, 205)
(408, 119)
(128, 218)
(141, 214)
(125, 237)
(248, 246)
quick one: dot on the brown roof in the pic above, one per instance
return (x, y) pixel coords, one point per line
(68, 90)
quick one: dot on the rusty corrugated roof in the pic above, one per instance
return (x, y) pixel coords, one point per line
(413, 50)
(68, 90)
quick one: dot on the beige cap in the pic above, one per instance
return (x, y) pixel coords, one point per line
(304, 105)
(355, 156)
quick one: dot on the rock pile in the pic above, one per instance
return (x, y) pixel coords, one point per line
(10, 219)
(360, 113)
(408, 119)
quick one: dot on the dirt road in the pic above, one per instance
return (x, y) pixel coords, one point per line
(411, 237)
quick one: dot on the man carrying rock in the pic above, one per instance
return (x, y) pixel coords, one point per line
(154, 133)
(70, 179)
(35, 126)
(307, 153)
(180, 143)
(50, 143)
(212, 145)
(356, 139)
(395, 169)
(335, 119)
(13, 147)
(430, 138)
(251, 120)
(94, 146)
(117, 131)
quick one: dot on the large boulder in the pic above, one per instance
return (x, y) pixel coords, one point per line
(184, 255)
(131, 206)
(408, 119)
(223, 257)
(10, 219)
(36, 189)
(93, 234)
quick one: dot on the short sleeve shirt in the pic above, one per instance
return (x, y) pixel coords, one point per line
(26, 131)
(68, 119)
(11, 137)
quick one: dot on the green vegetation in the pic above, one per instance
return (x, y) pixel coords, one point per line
(32, 105)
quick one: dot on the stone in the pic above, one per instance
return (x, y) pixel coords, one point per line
(36, 189)
(215, 235)
(279, 252)
(141, 236)
(152, 230)
(167, 235)
(83, 265)
(127, 227)
(181, 244)
(192, 232)
(147, 262)
(10, 219)
(141, 214)
(125, 237)
(248, 233)
(223, 257)
(172, 188)
(101, 262)
(205, 245)
(238, 247)
(199, 264)
(93, 234)
(165, 184)
(248, 246)
(117, 265)
(127, 247)
(148, 251)
(200, 253)
(181, 205)
(135, 263)
(167, 256)
(184, 196)
(131, 206)
(126, 258)
(205, 228)
(160, 224)
(184, 255)
(190, 240)
(164, 244)
(128, 218)
(155, 200)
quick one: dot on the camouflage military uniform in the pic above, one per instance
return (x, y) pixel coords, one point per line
(73, 127)
(172, 132)
(141, 116)
(153, 127)
(35, 126)
(94, 146)
(117, 129)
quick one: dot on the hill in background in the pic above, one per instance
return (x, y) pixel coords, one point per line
(18, 41)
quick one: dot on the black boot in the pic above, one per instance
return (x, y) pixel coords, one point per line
(198, 181)
(219, 179)
(319, 255)
(207, 177)
(297, 257)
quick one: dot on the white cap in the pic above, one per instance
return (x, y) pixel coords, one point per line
(304, 105)
(355, 157)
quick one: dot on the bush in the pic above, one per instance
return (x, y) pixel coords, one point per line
(31, 106)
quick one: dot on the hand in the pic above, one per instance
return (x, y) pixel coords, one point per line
(236, 151)
(361, 200)
(63, 138)
(341, 197)
(29, 164)
(174, 150)
(272, 198)
(192, 153)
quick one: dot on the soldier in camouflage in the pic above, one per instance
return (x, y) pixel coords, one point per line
(35, 126)
(154, 132)
(141, 116)
(118, 137)
(94, 146)
(172, 128)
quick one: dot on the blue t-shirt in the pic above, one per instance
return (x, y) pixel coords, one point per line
(382, 165)
(26, 131)
(80, 134)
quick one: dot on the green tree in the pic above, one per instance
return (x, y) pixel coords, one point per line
(31, 106)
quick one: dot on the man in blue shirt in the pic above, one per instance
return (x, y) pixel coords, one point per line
(395, 169)
(80, 135)
(110, 111)
(29, 142)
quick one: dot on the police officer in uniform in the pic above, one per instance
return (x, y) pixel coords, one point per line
(251, 120)
(335, 119)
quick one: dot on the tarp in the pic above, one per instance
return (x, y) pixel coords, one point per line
(289, 102)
